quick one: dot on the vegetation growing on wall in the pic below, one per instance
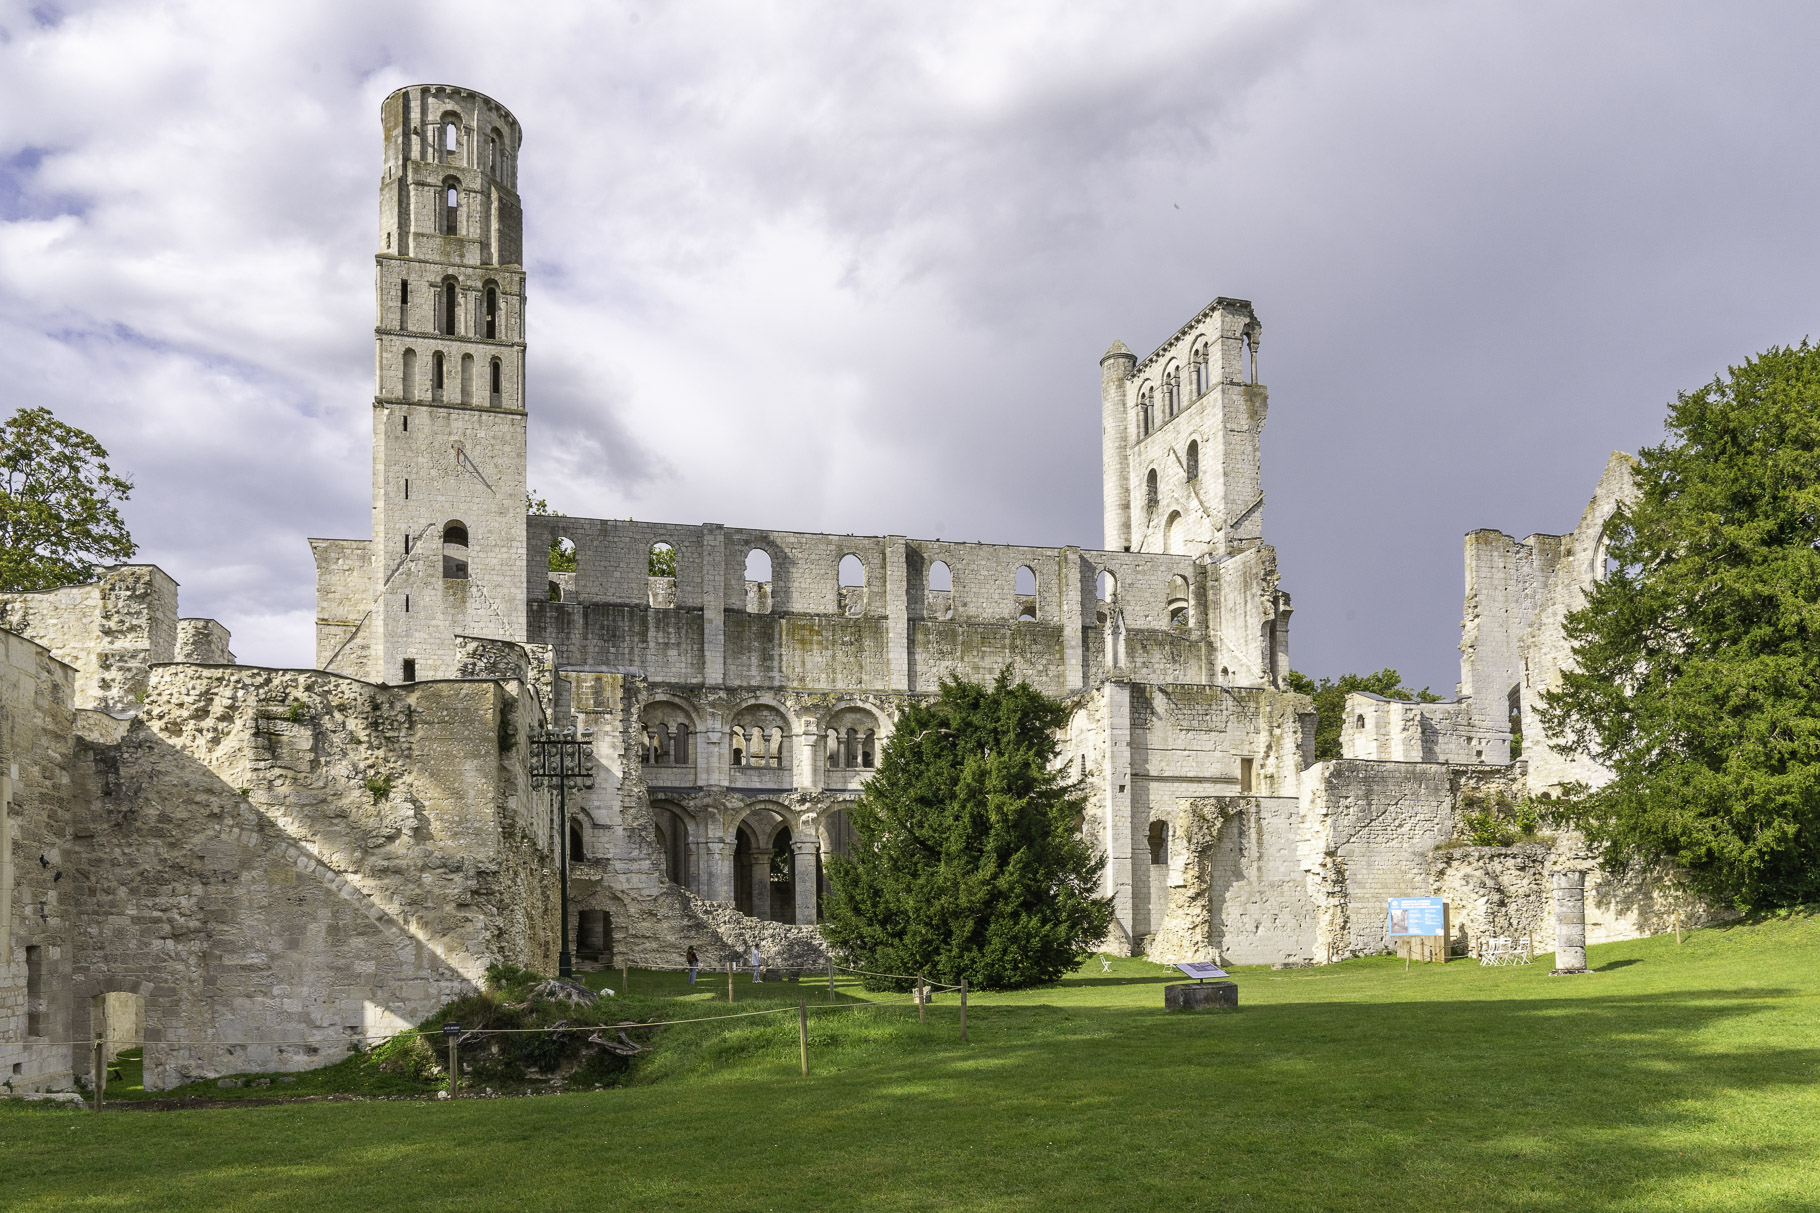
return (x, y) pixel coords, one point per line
(562, 560)
(58, 504)
(1698, 650)
(967, 863)
(1330, 701)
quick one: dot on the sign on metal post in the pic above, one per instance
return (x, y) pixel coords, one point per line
(451, 1032)
(1201, 970)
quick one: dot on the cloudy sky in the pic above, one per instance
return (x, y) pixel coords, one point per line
(851, 267)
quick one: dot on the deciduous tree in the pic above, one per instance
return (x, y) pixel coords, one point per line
(58, 499)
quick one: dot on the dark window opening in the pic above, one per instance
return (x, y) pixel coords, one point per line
(575, 848)
(455, 552)
(451, 209)
(404, 304)
(1159, 842)
(407, 489)
(436, 376)
(407, 604)
(34, 990)
(410, 669)
(1194, 461)
(451, 295)
(1150, 493)
(495, 379)
(407, 421)
(492, 312)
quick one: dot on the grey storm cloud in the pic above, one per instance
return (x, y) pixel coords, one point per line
(851, 268)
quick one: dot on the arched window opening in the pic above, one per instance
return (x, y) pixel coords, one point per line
(1172, 392)
(408, 390)
(1024, 585)
(1106, 586)
(555, 592)
(672, 843)
(404, 304)
(576, 849)
(1359, 722)
(451, 136)
(1177, 604)
(1146, 411)
(455, 551)
(660, 575)
(852, 740)
(1150, 492)
(938, 592)
(1172, 533)
(493, 381)
(451, 297)
(492, 312)
(852, 585)
(758, 581)
(1159, 842)
(493, 151)
(760, 738)
(562, 555)
(1203, 380)
(1193, 462)
(436, 375)
(451, 208)
(665, 742)
(467, 379)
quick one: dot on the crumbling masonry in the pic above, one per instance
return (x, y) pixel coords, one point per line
(219, 854)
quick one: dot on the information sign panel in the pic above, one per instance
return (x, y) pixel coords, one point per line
(1417, 916)
(1201, 970)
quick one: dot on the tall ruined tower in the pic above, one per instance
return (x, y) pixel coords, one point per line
(447, 557)
(1179, 438)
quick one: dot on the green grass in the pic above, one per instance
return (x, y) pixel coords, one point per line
(1672, 1078)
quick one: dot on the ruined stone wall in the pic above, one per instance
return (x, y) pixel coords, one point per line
(203, 642)
(344, 607)
(1238, 892)
(275, 855)
(1393, 730)
(112, 630)
(37, 915)
(1505, 583)
(1544, 645)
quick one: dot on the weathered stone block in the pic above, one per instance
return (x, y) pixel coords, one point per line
(1200, 995)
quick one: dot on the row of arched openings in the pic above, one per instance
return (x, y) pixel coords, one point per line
(447, 145)
(1200, 370)
(448, 307)
(439, 379)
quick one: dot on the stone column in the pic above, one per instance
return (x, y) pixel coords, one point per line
(811, 754)
(1117, 798)
(1570, 922)
(717, 876)
(761, 884)
(804, 851)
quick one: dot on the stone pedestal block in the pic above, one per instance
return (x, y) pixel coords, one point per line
(1199, 995)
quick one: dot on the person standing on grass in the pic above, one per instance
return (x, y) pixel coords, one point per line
(757, 962)
(693, 964)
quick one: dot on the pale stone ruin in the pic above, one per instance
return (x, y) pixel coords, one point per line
(223, 854)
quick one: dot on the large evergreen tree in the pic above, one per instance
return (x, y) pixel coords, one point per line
(1698, 655)
(969, 861)
(58, 499)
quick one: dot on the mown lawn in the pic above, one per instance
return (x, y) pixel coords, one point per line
(1674, 1077)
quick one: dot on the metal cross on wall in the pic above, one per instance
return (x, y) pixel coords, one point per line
(562, 758)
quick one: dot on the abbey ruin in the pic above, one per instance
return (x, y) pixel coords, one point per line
(254, 868)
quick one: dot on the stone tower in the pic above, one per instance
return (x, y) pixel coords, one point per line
(1179, 438)
(448, 549)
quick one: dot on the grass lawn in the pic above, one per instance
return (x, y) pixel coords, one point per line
(1674, 1077)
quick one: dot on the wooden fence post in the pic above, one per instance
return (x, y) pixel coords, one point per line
(454, 1062)
(802, 1031)
(729, 981)
(100, 1073)
(830, 979)
(963, 1010)
(922, 998)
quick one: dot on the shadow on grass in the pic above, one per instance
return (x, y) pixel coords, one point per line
(1587, 1102)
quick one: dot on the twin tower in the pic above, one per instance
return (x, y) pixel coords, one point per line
(447, 559)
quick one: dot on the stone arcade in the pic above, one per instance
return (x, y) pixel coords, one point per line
(220, 854)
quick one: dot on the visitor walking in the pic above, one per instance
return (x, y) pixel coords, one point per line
(757, 962)
(693, 964)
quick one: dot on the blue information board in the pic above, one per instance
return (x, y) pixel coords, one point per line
(1417, 916)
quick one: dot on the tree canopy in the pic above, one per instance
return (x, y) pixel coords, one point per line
(1698, 654)
(1330, 701)
(969, 860)
(58, 500)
